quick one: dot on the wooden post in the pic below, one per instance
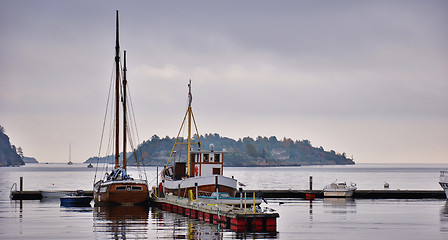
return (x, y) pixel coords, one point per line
(253, 206)
(157, 182)
(311, 182)
(244, 203)
(196, 186)
(241, 197)
(216, 183)
(21, 184)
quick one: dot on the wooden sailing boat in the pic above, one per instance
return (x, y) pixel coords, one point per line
(202, 172)
(118, 187)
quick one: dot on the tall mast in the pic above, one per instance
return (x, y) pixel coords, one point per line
(117, 96)
(124, 111)
(190, 98)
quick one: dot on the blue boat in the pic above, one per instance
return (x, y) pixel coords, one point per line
(77, 199)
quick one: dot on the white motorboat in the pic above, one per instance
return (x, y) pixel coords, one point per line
(340, 189)
(443, 181)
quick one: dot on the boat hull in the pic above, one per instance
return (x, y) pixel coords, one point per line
(443, 181)
(207, 184)
(339, 190)
(339, 194)
(121, 193)
(76, 201)
(446, 192)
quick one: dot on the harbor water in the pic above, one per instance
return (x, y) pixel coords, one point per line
(299, 218)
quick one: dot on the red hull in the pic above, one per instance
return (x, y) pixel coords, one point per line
(121, 193)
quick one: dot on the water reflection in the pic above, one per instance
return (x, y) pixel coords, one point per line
(176, 226)
(340, 205)
(121, 222)
(444, 217)
(76, 209)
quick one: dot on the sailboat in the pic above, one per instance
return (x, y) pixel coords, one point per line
(202, 172)
(119, 188)
(70, 154)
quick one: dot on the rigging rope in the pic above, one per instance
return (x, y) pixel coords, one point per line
(135, 131)
(104, 125)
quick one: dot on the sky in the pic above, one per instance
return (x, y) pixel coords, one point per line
(368, 78)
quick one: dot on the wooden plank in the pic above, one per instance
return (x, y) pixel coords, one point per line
(26, 195)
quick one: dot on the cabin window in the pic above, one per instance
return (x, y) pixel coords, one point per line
(216, 171)
(170, 171)
(120, 188)
(193, 157)
(137, 188)
(205, 157)
(217, 158)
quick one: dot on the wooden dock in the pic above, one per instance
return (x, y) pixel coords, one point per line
(230, 217)
(359, 194)
(37, 195)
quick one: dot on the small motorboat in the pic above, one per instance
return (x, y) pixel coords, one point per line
(386, 185)
(77, 199)
(225, 198)
(90, 165)
(340, 189)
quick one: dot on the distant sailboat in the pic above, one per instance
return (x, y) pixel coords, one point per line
(117, 187)
(70, 154)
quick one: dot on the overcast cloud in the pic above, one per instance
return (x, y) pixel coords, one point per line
(368, 78)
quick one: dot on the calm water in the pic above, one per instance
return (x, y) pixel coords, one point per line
(299, 219)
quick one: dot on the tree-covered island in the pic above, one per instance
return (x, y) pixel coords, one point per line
(8, 152)
(244, 152)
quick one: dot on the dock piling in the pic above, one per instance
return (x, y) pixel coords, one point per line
(196, 188)
(21, 184)
(311, 183)
(245, 203)
(253, 206)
